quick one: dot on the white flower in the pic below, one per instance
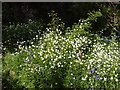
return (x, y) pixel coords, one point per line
(40, 53)
(116, 80)
(52, 66)
(56, 83)
(116, 68)
(113, 71)
(61, 65)
(12, 54)
(88, 67)
(105, 79)
(34, 56)
(108, 69)
(36, 36)
(104, 65)
(86, 76)
(83, 78)
(42, 58)
(58, 65)
(109, 65)
(80, 26)
(98, 66)
(43, 61)
(31, 42)
(74, 78)
(50, 63)
(71, 83)
(70, 62)
(76, 61)
(116, 75)
(111, 78)
(33, 45)
(81, 63)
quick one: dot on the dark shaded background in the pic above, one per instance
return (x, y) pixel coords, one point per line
(68, 12)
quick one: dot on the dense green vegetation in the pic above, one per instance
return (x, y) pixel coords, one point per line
(18, 16)
(41, 54)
